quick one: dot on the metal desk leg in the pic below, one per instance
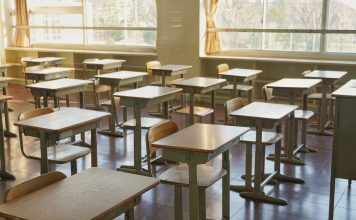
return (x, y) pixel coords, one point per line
(258, 194)
(67, 101)
(4, 91)
(225, 186)
(235, 88)
(55, 100)
(191, 108)
(44, 158)
(112, 119)
(7, 132)
(3, 173)
(193, 192)
(212, 117)
(94, 155)
(305, 149)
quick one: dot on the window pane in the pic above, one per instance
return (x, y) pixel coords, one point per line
(53, 3)
(235, 40)
(71, 36)
(342, 14)
(239, 14)
(293, 14)
(345, 43)
(292, 42)
(121, 13)
(121, 37)
(62, 36)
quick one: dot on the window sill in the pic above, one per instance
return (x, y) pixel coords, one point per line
(126, 53)
(280, 60)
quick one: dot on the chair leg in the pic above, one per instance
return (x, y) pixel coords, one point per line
(73, 167)
(178, 209)
(202, 203)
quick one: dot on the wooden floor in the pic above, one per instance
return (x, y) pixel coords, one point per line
(306, 201)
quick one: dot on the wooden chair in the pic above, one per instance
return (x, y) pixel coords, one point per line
(315, 96)
(240, 87)
(57, 153)
(97, 87)
(302, 116)
(33, 185)
(249, 138)
(178, 175)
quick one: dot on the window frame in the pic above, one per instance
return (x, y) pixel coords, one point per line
(84, 45)
(321, 53)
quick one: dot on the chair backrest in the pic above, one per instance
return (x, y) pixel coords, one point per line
(152, 64)
(32, 185)
(158, 132)
(306, 72)
(222, 68)
(34, 113)
(268, 94)
(230, 106)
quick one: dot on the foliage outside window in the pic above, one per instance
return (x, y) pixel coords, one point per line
(287, 25)
(93, 22)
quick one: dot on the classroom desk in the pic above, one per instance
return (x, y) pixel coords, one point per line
(55, 61)
(115, 80)
(267, 115)
(170, 70)
(57, 88)
(3, 69)
(63, 123)
(103, 64)
(238, 75)
(4, 175)
(328, 78)
(143, 98)
(343, 164)
(199, 85)
(4, 83)
(199, 144)
(94, 193)
(48, 74)
(292, 89)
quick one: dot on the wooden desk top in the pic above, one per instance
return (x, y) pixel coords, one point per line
(62, 120)
(147, 92)
(5, 65)
(241, 72)
(199, 82)
(51, 70)
(201, 138)
(44, 59)
(325, 74)
(264, 111)
(347, 90)
(121, 75)
(294, 83)
(172, 67)
(105, 62)
(5, 79)
(59, 84)
(91, 194)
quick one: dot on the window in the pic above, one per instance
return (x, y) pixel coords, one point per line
(93, 22)
(287, 25)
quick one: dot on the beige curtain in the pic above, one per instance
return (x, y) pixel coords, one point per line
(212, 42)
(22, 36)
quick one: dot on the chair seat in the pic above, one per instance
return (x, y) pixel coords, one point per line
(244, 88)
(146, 123)
(198, 111)
(106, 103)
(268, 137)
(207, 175)
(62, 153)
(303, 114)
(317, 96)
